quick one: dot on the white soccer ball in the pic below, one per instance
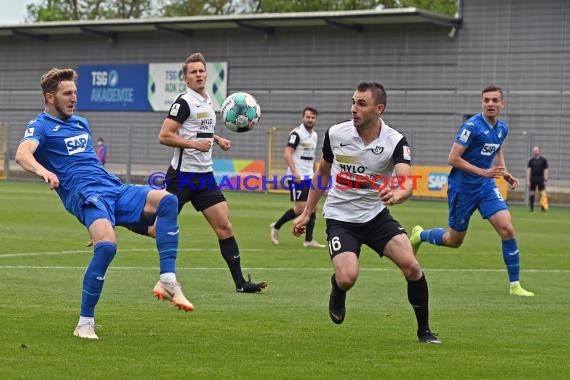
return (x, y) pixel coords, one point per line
(240, 112)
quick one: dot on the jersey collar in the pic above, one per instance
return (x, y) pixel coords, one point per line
(197, 96)
(50, 116)
(487, 121)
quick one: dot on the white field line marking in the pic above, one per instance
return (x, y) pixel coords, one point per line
(283, 269)
(88, 251)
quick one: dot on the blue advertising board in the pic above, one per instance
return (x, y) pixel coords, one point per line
(113, 88)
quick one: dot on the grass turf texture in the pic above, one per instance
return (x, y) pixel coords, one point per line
(284, 332)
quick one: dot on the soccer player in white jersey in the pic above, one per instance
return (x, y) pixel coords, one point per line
(58, 147)
(189, 129)
(359, 157)
(471, 186)
(300, 158)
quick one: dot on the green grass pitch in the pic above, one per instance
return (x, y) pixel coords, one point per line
(284, 332)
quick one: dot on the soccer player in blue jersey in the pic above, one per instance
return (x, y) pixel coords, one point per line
(471, 186)
(57, 146)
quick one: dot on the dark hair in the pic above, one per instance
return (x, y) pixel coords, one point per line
(493, 88)
(378, 91)
(310, 109)
(51, 79)
(196, 57)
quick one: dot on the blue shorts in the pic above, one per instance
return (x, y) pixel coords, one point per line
(463, 203)
(122, 205)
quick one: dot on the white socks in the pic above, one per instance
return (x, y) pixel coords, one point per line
(168, 277)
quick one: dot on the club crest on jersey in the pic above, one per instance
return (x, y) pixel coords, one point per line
(76, 144)
(377, 149)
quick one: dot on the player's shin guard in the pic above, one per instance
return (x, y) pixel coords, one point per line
(230, 253)
(94, 276)
(512, 259)
(310, 227)
(167, 233)
(418, 296)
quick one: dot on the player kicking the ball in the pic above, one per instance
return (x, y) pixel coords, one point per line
(58, 147)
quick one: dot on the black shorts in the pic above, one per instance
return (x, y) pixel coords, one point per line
(299, 191)
(536, 182)
(199, 188)
(376, 233)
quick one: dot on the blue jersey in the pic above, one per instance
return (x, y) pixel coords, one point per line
(66, 149)
(481, 141)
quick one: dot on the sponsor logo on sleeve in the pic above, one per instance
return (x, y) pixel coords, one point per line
(174, 109)
(464, 135)
(292, 139)
(407, 153)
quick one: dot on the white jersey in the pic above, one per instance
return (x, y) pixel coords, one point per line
(304, 143)
(359, 172)
(198, 120)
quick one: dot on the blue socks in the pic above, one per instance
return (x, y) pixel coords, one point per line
(512, 259)
(434, 236)
(167, 233)
(94, 277)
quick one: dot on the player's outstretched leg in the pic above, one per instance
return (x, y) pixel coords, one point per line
(337, 302)
(167, 232)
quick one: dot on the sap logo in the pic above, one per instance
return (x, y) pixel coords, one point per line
(489, 149)
(436, 181)
(76, 144)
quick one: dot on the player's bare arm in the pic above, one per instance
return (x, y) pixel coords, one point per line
(168, 136)
(456, 160)
(392, 196)
(223, 143)
(25, 158)
(500, 161)
(288, 156)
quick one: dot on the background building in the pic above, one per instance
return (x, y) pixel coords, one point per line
(433, 67)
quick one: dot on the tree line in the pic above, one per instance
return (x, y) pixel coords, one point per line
(68, 10)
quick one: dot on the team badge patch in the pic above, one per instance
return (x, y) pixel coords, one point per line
(377, 149)
(174, 109)
(464, 135)
(407, 153)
